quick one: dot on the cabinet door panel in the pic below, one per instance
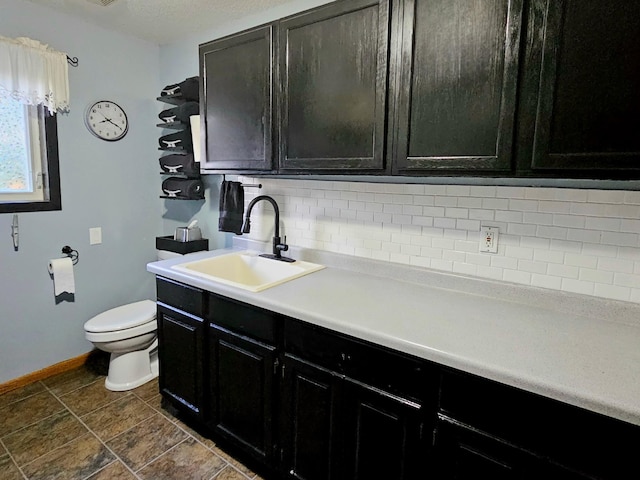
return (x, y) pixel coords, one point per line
(309, 420)
(457, 90)
(180, 350)
(382, 435)
(589, 86)
(334, 64)
(242, 389)
(237, 113)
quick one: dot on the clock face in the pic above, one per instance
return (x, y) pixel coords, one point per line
(107, 120)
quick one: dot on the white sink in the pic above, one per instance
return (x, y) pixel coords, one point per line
(247, 270)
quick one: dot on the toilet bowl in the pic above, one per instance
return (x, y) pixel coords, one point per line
(129, 333)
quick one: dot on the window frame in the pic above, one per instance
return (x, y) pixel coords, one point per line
(50, 171)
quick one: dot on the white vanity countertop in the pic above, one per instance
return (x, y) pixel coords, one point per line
(580, 350)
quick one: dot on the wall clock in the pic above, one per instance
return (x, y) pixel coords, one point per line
(106, 120)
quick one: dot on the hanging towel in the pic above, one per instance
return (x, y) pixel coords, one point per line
(231, 207)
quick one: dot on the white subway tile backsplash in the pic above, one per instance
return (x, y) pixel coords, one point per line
(516, 276)
(577, 286)
(584, 241)
(574, 221)
(605, 196)
(538, 218)
(546, 281)
(621, 239)
(632, 198)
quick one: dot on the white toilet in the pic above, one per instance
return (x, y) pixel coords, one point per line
(129, 333)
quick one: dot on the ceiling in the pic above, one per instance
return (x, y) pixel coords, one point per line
(160, 21)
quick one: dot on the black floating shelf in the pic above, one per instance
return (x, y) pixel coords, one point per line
(172, 99)
(181, 198)
(173, 125)
(174, 149)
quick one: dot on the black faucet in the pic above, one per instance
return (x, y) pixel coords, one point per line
(278, 245)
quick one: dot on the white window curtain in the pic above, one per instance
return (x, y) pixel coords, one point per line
(34, 74)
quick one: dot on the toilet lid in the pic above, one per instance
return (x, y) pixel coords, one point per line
(121, 318)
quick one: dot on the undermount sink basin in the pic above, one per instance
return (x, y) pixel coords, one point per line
(247, 270)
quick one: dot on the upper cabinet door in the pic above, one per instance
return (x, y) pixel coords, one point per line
(237, 104)
(333, 64)
(455, 90)
(584, 67)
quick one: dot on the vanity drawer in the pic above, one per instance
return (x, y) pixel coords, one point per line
(382, 368)
(183, 297)
(242, 318)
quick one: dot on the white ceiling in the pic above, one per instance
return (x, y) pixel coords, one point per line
(160, 21)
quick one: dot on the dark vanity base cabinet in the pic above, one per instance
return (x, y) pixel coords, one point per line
(352, 410)
(310, 419)
(489, 430)
(181, 337)
(243, 366)
(308, 403)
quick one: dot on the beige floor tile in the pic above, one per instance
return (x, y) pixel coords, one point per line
(74, 461)
(35, 440)
(230, 473)
(241, 467)
(71, 380)
(117, 417)
(114, 471)
(146, 441)
(20, 393)
(27, 411)
(90, 397)
(8, 469)
(189, 460)
(207, 442)
(148, 390)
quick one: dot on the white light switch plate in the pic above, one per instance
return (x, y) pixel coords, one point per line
(95, 236)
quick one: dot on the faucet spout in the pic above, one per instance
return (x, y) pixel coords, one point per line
(279, 246)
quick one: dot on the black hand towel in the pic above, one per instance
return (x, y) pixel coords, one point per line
(231, 207)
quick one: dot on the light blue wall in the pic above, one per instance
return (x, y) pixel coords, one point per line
(115, 186)
(178, 61)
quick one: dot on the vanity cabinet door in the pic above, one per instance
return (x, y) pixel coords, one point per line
(237, 104)
(309, 421)
(454, 91)
(333, 68)
(581, 92)
(383, 435)
(181, 339)
(242, 372)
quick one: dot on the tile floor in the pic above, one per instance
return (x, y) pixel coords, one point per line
(70, 427)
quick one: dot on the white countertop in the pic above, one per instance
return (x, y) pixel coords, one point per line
(521, 336)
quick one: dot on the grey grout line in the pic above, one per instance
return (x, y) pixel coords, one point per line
(13, 460)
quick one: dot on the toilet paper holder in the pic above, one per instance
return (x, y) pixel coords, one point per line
(70, 252)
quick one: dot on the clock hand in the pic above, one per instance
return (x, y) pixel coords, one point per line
(113, 123)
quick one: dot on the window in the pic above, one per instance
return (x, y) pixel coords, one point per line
(29, 171)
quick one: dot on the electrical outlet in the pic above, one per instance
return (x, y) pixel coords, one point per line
(489, 239)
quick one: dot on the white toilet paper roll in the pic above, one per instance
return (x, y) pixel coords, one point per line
(62, 270)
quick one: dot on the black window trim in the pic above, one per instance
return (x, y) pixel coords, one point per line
(52, 171)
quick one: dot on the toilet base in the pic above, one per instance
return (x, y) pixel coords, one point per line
(130, 370)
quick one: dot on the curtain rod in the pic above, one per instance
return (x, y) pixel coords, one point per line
(72, 61)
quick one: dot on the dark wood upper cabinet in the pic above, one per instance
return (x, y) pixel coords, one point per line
(581, 87)
(333, 64)
(237, 101)
(454, 94)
